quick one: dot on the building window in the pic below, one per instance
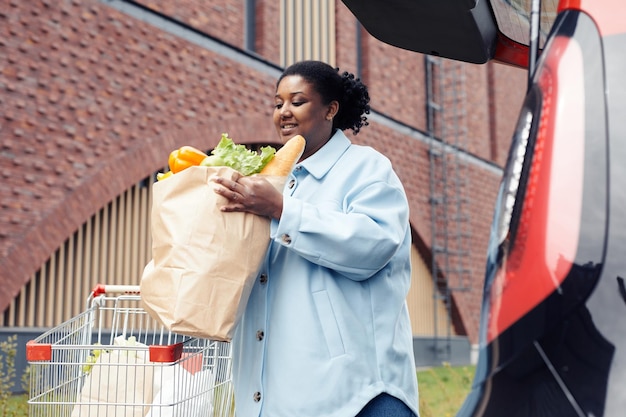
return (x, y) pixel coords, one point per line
(307, 31)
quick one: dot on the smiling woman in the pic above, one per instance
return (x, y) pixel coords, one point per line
(301, 108)
(328, 309)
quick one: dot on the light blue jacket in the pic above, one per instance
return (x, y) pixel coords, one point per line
(326, 327)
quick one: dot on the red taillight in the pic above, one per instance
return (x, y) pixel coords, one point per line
(609, 15)
(547, 233)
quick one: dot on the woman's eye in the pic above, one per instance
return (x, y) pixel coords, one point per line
(298, 103)
(278, 105)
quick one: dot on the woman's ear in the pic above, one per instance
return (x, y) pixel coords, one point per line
(333, 108)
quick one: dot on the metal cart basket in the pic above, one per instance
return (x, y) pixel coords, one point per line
(114, 360)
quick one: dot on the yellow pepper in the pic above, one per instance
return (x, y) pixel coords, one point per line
(163, 175)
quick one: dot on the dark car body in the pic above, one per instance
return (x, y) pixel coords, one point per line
(553, 320)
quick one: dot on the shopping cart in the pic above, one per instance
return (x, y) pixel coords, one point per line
(114, 360)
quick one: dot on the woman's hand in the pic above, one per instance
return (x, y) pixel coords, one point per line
(252, 194)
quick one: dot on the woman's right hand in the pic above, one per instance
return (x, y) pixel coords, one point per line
(253, 194)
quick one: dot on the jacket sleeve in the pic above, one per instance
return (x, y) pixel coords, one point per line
(356, 235)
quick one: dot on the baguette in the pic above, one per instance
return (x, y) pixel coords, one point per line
(285, 158)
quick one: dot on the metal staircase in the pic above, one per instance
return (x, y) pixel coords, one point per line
(448, 191)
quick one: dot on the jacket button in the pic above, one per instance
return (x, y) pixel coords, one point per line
(263, 279)
(286, 238)
(256, 397)
(291, 184)
(259, 335)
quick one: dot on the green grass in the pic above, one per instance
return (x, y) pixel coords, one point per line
(443, 389)
(16, 406)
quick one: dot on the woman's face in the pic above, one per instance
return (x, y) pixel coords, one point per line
(299, 111)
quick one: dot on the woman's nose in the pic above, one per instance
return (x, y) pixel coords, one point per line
(285, 110)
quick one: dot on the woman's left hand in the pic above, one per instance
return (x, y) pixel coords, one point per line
(252, 194)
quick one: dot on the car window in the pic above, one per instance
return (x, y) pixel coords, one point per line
(513, 18)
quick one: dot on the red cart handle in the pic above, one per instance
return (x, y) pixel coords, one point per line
(101, 289)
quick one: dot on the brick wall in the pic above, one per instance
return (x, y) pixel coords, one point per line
(93, 100)
(222, 19)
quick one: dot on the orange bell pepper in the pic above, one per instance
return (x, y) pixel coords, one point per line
(184, 157)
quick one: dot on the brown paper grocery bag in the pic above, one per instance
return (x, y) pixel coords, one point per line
(204, 261)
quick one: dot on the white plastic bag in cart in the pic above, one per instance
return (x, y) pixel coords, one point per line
(118, 383)
(178, 392)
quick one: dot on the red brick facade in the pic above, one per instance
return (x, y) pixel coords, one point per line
(93, 100)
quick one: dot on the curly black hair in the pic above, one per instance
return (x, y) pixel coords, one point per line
(349, 91)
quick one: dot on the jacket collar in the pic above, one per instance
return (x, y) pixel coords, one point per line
(323, 160)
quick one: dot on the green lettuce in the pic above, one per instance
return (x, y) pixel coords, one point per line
(238, 157)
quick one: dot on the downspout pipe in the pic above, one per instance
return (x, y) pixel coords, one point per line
(250, 26)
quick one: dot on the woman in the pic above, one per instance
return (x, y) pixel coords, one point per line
(326, 331)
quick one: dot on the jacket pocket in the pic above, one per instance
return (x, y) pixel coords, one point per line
(328, 322)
